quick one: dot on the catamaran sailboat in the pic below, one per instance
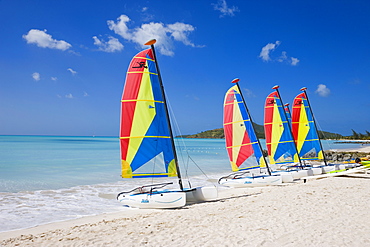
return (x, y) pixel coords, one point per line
(304, 130)
(146, 139)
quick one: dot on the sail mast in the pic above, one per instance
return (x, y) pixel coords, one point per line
(314, 121)
(151, 43)
(249, 115)
(290, 129)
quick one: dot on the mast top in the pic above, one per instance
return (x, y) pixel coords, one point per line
(236, 80)
(303, 89)
(151, 42)
(275, 87)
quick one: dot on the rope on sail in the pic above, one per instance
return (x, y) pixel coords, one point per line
(178, 140)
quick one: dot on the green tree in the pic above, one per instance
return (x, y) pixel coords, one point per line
(354, 135)
(362, 136)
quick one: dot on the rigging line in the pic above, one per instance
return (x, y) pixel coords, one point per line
(186, 166)
(177, 128)
(201, 171)
(154, 162)
(323, 134)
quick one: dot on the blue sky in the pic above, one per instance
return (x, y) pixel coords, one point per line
(63, 63)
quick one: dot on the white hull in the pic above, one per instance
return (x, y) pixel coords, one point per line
(302, 173)
(316, 170)
(165, 199)
(251, 181)
(334, 167)
(299, 173)
(334, 174)
(201, 194)
(286, 177)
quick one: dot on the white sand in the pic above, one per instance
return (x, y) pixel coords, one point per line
(364, 149)
(328, 212)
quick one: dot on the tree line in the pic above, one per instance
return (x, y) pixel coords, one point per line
(219, 134)
(359, 136)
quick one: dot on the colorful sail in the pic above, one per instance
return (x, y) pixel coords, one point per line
(279, 141)
(241, 141)
(304, 131)
(146, 147)
(287, 112)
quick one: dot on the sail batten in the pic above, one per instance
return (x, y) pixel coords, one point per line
(137, 100)
(127, 137)
(239, 121)
(241, 145)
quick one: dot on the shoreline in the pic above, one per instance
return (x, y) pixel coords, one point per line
(359, 149)
(286, 215)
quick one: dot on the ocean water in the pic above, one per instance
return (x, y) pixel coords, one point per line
(46, 179)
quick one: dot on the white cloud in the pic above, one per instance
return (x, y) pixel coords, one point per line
(192, 96)
(145, 15)
(295, 61)
(112, 45)
(86, 94)
(69, 96)
(355, 81)
(265, 52)
(36, 76)
(120, 27)
(163, 33)
(283, 57)
(44, 40)
(224, 9)
(72, 71)
(322, 90)
(248, 93)
(180, 31)
(54, 78)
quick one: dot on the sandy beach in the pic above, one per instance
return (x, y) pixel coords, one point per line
(364, 149)
(326, 212)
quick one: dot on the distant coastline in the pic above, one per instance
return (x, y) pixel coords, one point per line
(354, 142)
(324, 135)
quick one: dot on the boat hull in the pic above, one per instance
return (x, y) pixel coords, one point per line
(335, 168)
(201, 194)
(286, 176)
(257, 181)
(298, 173)
(316, 170)
(165, 199)
(290, 175)
(336, 173)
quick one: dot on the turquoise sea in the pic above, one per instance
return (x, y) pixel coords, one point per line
(45, 179)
